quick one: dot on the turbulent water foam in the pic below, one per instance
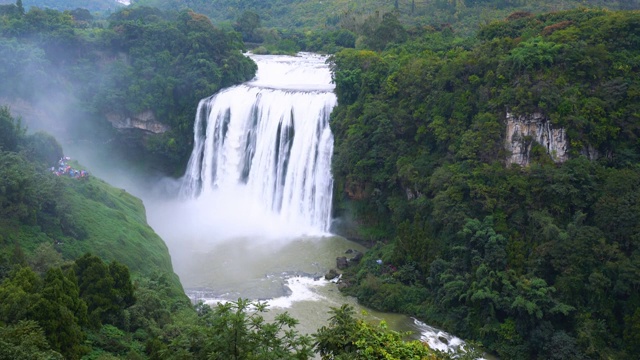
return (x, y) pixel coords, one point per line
(299, 288)
(264, 148)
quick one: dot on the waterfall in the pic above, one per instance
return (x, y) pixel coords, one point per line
(267, 145)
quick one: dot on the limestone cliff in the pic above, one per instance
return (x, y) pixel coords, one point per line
(521, 133)
(145, 120)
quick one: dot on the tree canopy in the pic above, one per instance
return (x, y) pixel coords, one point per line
(532, 261)
(140, 59)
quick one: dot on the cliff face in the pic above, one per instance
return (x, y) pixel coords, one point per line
(523, 131)
(145, 120)
(52, 116)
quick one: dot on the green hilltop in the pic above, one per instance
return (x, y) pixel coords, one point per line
(464, 15)
(96, 6)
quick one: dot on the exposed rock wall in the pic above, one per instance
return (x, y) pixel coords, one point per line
(145, 120)
(523, 131)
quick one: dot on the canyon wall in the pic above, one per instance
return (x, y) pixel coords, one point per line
(525, 130)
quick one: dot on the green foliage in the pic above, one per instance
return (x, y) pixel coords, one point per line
(349, 338)
(100, 6)
(106, 289)
(44, 258)
(26, 194)
(43, 148)
(61, 312)
(11, 131)
(51, 312)
(338, 338)
(533, 262)
(380, 33)
(25, 340)
(18, 293)
(46, 218)
(53, 302)
(247, 24)
(464, 15)
(140, 60)
(237, 330)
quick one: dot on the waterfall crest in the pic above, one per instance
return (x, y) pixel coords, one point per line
(267, 145)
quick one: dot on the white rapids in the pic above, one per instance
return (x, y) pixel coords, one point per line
(267, 144)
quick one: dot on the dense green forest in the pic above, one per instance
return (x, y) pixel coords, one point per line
(139, 59)
(102, 7)
(309, 14)
(289, 26)
(537, 261)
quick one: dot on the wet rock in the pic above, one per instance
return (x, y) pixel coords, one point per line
(343, 285)
(341, 262)
(443, 340)
(331, 274)
(356, 258)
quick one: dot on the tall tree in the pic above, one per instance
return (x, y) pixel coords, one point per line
(20, 7)
(60, 312)
(247, 24)
(11, 130)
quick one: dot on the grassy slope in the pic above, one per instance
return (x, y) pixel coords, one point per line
(114, 227)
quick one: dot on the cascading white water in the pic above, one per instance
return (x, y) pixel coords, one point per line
(265, 146)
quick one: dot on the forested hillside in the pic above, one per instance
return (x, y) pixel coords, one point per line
(102, 7)
(289, 26)
(464, 15)
(54, 294)
(144, 70)
(539, 260)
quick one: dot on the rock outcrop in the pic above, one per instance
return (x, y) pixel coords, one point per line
(523, 131)
(357, 256)
(342, 263)
(331, 274)
(145, 120)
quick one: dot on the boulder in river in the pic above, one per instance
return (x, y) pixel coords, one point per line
(331, 274)
(443, 339)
